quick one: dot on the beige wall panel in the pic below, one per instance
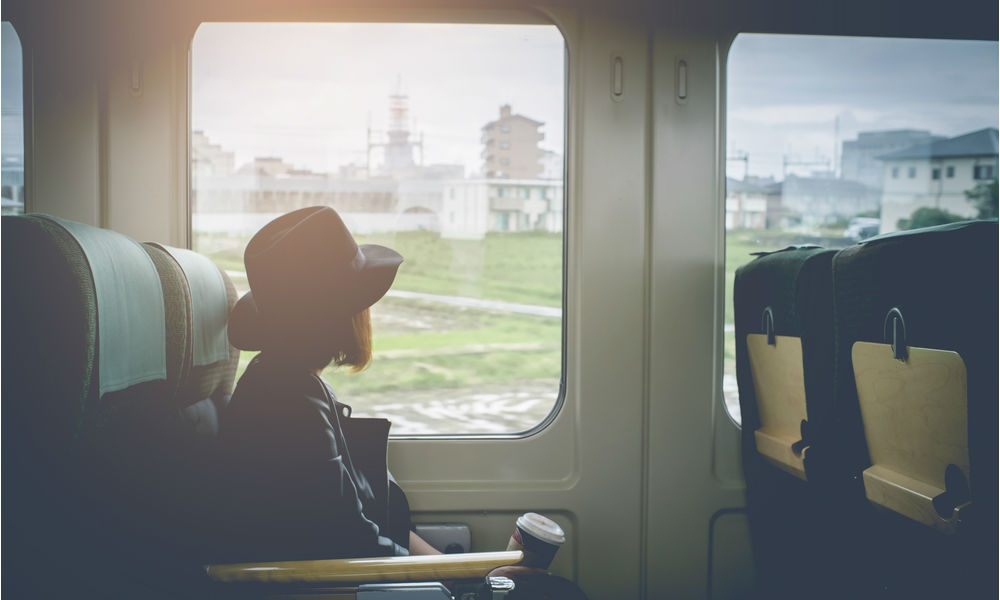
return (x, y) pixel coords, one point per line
(689, 479)
(63, 61)
(65, 149)
(142, 141)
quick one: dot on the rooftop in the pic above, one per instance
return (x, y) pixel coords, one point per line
(976, 143)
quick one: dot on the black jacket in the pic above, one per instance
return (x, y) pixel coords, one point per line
(293, 491)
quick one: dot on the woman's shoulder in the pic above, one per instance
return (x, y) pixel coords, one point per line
(283, 388)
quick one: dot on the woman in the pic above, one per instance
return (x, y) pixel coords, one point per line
(295, 492)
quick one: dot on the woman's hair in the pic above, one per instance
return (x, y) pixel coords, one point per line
(342, 342)
(356, 349)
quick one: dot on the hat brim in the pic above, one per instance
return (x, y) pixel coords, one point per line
(378, 271)
(368, 281)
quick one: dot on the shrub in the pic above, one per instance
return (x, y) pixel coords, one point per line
(927, 216)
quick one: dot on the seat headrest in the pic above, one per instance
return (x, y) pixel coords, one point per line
(210, 368)
(131, 323)
(209, 305)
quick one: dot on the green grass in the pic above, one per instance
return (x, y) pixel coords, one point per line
(514, 267)
(524, 268)
(459, 347)
(462, 347)
(421, 346)
(519, 267)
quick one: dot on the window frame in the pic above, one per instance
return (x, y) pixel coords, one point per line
(520, 16)
(723, 149)
(26, 117)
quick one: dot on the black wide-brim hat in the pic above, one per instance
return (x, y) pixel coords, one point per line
(305, 271)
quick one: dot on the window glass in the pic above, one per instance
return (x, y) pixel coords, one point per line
(393, 125)
(12, 133)
(821, 130)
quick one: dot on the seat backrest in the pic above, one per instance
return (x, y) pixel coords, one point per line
(102, 407)
(942, 284)
(188, 473)
(917, 353)
(87, 361)
(784, 352)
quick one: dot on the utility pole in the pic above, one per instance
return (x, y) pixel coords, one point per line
(836, 143)
(368, 151)
(745, 158)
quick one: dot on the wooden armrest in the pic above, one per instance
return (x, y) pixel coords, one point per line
(366, 570)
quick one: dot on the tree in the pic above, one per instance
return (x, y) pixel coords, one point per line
(984, 198)
(927, 216)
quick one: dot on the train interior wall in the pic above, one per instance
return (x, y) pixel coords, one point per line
(641, 466)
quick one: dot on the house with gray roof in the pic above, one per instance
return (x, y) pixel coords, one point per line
(937, 174)
(859, 159)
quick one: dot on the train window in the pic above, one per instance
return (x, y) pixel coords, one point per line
(833, 139)
(13, 121)
(395, 126)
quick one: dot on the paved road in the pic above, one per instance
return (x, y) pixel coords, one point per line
(508, 307)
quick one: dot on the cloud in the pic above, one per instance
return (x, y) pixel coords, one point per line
(308, 92)
(802, 96)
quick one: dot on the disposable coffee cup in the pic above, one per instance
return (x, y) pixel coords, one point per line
(538, 537)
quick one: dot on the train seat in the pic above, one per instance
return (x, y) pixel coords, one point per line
(917, 349)
(188, 422)
(784, 362)
(117, 368)
(783, 320)
(90, 363)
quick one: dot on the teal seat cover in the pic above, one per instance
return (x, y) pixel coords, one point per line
(131, 325)
(209, 305)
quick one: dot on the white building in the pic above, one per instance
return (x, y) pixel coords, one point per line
(859, 158)
(937, 174)
(208, 158)
(818, 201)
(747, 203)
(471, 208)
(552, 165)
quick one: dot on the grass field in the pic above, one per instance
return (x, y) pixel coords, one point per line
(525, 268)
(428, 352)
(431, 350)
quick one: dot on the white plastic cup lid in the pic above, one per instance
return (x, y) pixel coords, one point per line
(542, 528)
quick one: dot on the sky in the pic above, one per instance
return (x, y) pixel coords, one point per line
(307, 91)
(786, 94)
